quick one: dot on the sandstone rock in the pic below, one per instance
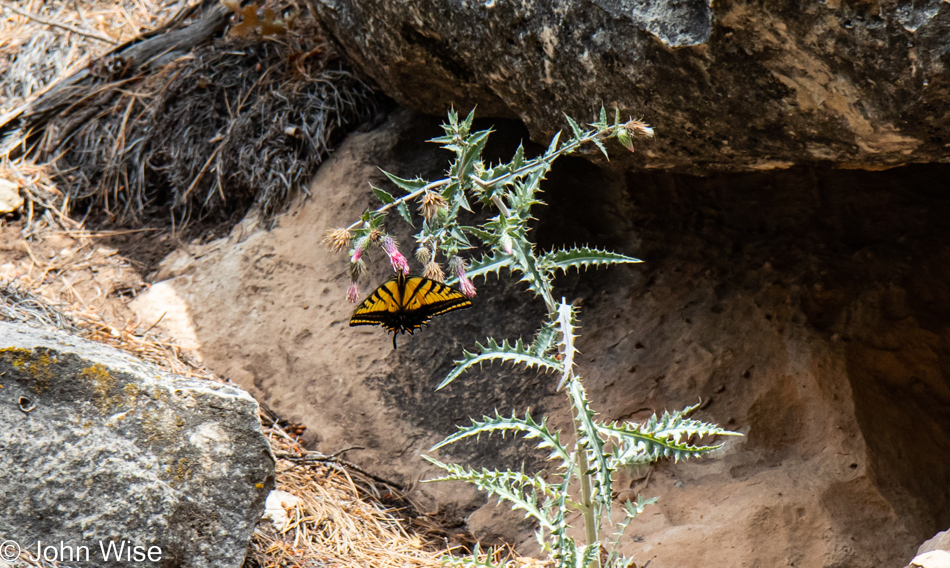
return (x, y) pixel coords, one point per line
(10, 199)
(162, 309)
(97, 447)
(729, 85)
(277, 505)
(929, 551)
(932, 559)
(940, 541)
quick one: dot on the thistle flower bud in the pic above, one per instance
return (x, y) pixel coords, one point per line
(353, 292)
(337, 239)
(457, 265)
(423, 255)
(432, 203)
(624, 137)
(506, 243)
(433, 271)
(396, 259)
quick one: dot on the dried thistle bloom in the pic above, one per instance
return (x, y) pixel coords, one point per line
(423, 255)
(398, 261)
(457, 265)
(353, 292)
(639, 128)
(375, 235)
(337, 239)
(432, 202)
(433, 271)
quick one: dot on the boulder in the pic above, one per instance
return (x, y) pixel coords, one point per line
(101, 453)
(940, 541)
(730, 86)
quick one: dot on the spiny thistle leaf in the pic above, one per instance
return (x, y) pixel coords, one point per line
(508, 486)
(478, 232)
(578, 134)
(588, 429)
(660, 438)
(530, 429)
(492, 351)
(582, 257)
(678, 424)
(552, 147)
(526, 262)
(600, 146)
(487, 264)
(383, 195)
(471, 153)
(518, 159)
(407, 185)
(632, 510)
(565, 324)
(466, 125)
(477, 559)
(403, 210)
(545, 339)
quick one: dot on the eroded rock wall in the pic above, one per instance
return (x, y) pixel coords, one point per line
(731, 85)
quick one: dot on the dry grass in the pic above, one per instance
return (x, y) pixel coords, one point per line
(69, 281)
(202, 133)
(343, 518)
(333, 522)
(34, 54)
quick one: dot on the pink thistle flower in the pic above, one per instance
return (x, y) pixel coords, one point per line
(457, 265)
(466, 286)
(353, 292)
(358, 250)
(396, 258)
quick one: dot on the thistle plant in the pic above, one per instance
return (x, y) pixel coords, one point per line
(585, 462)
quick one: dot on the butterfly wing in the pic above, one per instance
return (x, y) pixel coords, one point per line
(381, 307)
(426, 298)
(406, 303)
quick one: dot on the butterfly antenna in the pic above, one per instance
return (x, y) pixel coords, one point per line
(395, 335)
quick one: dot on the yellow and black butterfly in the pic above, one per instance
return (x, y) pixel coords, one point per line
(406, 303)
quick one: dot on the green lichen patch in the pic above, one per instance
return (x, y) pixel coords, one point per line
(104, 384)
(180, 471)
(33, 364)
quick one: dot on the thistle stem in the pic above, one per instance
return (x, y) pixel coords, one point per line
(407, 197)
(590, 521)
(496, 199)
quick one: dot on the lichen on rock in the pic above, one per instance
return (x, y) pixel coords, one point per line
(109, 448)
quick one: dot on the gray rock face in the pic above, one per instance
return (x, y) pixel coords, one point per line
(730, 86)
(98, 449)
